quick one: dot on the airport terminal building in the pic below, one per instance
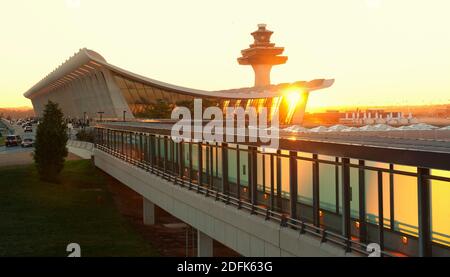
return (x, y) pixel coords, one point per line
(87, 85)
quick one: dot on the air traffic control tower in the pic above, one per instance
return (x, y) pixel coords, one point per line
(262, 55)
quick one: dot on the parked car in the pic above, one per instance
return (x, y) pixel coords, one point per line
(28, 129)
(27, 142)
(13, 140)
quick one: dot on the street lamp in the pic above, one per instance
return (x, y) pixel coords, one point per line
(84, 120)
(101, 115)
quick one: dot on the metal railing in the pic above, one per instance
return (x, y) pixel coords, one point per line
(282, 219)
(154, 151)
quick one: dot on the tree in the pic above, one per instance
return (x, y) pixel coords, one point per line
(50, 145)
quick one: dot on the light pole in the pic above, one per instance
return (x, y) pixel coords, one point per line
(124, 112)
(101, 115)
(84, 120)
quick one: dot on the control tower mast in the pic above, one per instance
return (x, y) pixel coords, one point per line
(262, 55)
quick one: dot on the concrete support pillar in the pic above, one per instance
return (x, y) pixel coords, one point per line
(148, 212)
(204, 245)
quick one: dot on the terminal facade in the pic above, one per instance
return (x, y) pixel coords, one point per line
(86, 85)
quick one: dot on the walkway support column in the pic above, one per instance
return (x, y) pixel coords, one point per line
(148, 211)
(204, 245)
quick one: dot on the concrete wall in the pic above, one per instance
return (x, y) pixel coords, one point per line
(82, 149)
(247, 234)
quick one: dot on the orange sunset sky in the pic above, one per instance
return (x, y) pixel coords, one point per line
(380, 52)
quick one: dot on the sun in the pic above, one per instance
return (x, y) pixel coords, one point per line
(293, 97)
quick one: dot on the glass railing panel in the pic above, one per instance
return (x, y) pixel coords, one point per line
(304, 175)
(195, 157)
(232, 165)
(285, 174)
(327, 184)
(405, 201)
(440, 208)
(354, 189)
(371, 187)
(243, 159)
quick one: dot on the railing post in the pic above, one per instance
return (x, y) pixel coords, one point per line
(112, 140)
(115, 142)
(263, 157)
(207, 167)
(200, 166)
(180, 160)
(149, 151)
(190, 163)
(362, 201)
(380, 210)
(293, 183)
(165, 161)
(253, 174)
(391, 197)
(121, 143)
(211, 167)
(175, 160)
(316, 194)
(272, 183)
(125, 147)
(152, 153)
(131, 147)
(238, 175)
(217, 159)
(107, 138)
(278, 182)
(424, 212)
(225, 188)
(158, 151)
(141, 148)
(145, 149)
(346, 226)
(336, 184)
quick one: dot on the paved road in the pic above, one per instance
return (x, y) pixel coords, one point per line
(18, 130)
(17, 155)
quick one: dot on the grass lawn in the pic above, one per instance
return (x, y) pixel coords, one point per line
(41, 219)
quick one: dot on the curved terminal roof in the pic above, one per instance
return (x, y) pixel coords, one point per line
(86, 60)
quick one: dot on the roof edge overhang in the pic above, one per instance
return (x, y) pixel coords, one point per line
(85, 56)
